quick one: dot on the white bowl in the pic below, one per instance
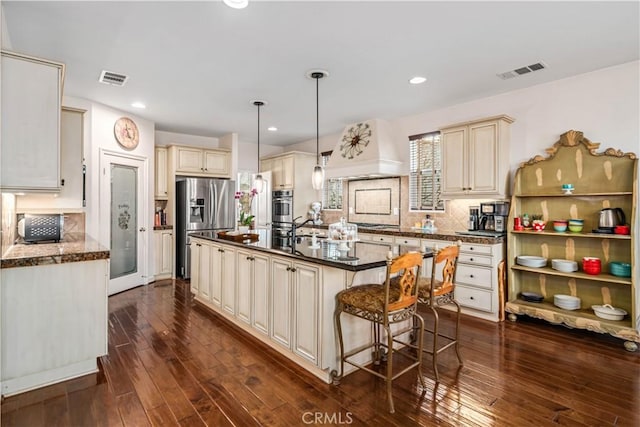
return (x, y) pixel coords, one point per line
(564, 265)
(608, 312)
(566, 302)
(531, 261)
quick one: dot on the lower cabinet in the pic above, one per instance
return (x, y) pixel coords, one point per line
(477, 286)
(163, 246)
(213, 274)
(253, 290)
(295, 302)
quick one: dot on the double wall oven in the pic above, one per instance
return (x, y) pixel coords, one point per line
(281, 219)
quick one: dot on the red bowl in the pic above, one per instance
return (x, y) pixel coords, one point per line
(591, 265)
(621, 229)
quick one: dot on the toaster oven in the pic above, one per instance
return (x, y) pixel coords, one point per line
(41, 227)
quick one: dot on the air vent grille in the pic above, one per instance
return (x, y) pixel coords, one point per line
(111, 78)
(522, 70)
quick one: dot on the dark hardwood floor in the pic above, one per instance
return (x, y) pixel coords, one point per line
(173, 363)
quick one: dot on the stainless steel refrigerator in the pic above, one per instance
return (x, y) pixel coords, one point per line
(202, 204)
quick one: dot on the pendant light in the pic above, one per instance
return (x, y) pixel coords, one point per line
(317, 177)
(236, 4)
(258, 183)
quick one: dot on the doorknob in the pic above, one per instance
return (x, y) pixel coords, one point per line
(142, 229)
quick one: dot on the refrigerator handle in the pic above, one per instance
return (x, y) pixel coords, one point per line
(214, 199)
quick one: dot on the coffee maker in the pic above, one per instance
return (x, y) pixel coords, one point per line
(493, 216)
(474, 218)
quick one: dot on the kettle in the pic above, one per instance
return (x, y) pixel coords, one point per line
(610, 217)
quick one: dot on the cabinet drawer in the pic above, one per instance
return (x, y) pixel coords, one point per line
(475, 249)
(473, 298)
(365, 237)
(474, 276)
(383, 239)
(399, 240)
(475, 259)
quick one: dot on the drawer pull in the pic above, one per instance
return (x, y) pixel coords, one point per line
(470, 259)
(471, 275)
(470, 298)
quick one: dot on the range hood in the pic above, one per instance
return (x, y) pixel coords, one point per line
(366, 149)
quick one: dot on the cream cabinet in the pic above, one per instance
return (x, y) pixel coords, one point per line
(477, 281)
(295, 305)
(253, 289)
(290, 170)
(163, 247)
(161, 175)
(213, 274)
(475, 158)
(193, 161)
(30, 136)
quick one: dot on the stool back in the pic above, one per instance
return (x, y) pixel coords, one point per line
(407, 268)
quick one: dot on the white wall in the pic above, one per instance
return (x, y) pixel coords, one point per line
(99, 121)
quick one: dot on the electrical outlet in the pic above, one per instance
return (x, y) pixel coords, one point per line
(350, 209)
(396, 211)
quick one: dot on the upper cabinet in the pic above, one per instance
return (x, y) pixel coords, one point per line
(195, 161)
(290, 170)
(162, 180)
(31, 102)
(475, 158)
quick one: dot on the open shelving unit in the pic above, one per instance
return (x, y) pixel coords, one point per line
(601, 180)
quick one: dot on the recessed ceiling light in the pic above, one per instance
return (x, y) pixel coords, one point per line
(138, 105)
(236, 4)
(272, 128)
(417, 80)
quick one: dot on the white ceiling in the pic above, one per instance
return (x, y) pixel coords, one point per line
(197, 65)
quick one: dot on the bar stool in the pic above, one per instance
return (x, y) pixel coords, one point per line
(435, 293)
(384, 305)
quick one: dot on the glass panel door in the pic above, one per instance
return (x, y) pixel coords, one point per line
(124, 220)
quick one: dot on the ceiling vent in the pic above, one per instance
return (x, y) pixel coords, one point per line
(114, 79)
(523, 70)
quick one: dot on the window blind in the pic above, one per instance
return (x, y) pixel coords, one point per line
(425, 176)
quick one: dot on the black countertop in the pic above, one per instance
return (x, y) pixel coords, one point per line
(360, 255)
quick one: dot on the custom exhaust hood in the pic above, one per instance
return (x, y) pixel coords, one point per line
(366, 149)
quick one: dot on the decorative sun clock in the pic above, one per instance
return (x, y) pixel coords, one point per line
(126, 133)
(355, 139)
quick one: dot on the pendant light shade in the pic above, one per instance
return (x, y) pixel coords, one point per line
(258, 182)
(236, 4)
(317, 177)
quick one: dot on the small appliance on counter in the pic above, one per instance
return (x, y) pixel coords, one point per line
(35, 228)
(474, 218)
(609, 219)
(493, 216)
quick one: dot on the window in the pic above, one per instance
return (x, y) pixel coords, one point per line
(332, 192)
(425, 176)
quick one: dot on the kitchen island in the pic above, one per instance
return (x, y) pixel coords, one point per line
(54, 311)
(287, 299)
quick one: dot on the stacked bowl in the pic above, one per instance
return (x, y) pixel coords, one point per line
(575, 225)
(591, 265)
(560, 225)
(564, 265)
(566, 302)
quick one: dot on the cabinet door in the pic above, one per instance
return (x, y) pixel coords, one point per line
(71, 156)
(454, 161)
(245, 275)
(215, 274)
(189, 160)
(30, 134)
(276, 173)
(206, 265)
(166, 260)
(483, 158)
(228, 279)
(161, 174)
(281, 287)
(260, 319)
(217, 163)
(287, 172)
(306, 311)
(195, 266)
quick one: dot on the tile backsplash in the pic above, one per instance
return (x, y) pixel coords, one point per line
(455, 217)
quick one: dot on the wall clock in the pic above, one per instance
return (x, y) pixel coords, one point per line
(355, 139)
(126, 133)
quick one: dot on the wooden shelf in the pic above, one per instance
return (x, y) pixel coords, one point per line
(603, 277)
(609, 194)
(570, 317)
(578, 235)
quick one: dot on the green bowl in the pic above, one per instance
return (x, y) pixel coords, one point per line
(620, 269)
(575, 228)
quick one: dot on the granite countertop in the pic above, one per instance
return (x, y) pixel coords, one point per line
(452, 236)
(163, 227)
(75, 247)
(360, 255)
